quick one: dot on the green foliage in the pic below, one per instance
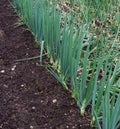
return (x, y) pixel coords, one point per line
(84, 62)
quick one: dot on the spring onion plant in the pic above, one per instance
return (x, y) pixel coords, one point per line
(89, 69)
(107, 112)
(69, 51)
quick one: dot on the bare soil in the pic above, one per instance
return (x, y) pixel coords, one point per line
(30, 98)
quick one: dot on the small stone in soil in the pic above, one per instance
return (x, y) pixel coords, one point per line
(2, 71)
(31, 127)
(5, 86)
(36, 93)
(22, 85)
(73, 127)
(33, 107)
(41, 101)
(54, 100)
(13, 68)
(65, 114)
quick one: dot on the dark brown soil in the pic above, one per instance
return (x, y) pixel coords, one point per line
(30, 98)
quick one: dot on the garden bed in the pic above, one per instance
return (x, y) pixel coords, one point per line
(30, 98)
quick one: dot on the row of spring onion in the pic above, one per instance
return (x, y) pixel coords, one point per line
(75, 65)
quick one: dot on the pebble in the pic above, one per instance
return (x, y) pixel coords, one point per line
(31, 127)
(73, 127)
(36, 93)
(33, 107)
(54, 100)
(65, 114)
(2, 71)
(22, 85)
(41, 101)
(5, 86)
(13, 68)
